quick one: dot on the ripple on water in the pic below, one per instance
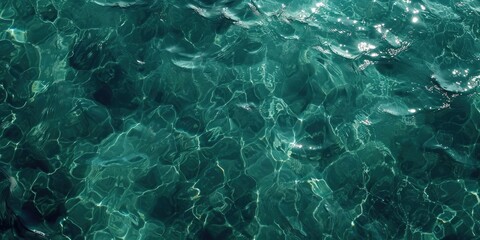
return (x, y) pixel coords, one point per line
(242, 119)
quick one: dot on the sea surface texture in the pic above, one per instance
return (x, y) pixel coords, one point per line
(239, 119)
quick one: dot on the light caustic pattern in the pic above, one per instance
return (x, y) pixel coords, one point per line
(254, 119)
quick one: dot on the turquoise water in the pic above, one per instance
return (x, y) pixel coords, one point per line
(253, 119)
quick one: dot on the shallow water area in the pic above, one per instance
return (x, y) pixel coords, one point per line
(253, 119)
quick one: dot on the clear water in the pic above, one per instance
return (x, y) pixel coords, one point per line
(253, 119)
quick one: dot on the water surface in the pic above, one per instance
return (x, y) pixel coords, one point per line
(253, 119)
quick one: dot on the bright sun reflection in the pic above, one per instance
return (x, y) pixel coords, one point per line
(364, 46)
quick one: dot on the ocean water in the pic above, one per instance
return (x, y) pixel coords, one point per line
(239, 119)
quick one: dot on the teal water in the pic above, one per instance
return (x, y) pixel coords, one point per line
(253, 119)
